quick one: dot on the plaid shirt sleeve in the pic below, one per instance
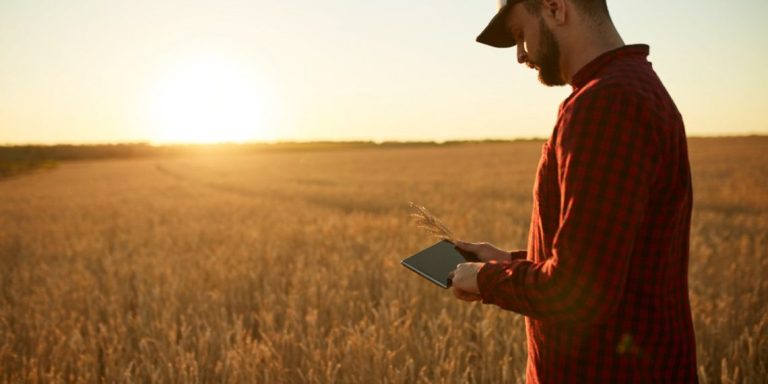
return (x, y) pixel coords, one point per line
(605, 166)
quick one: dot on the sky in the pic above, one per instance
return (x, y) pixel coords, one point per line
(94, 71)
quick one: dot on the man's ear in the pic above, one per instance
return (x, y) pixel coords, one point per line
(554, 10)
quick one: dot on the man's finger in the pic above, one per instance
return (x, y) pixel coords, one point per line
(468, 246)
(462, 244)
(464, 295)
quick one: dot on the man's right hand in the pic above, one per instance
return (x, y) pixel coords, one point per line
(485, 251)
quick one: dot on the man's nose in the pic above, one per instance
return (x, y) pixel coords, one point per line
(522, 56)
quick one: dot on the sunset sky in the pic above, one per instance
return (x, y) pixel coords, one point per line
(88, 71)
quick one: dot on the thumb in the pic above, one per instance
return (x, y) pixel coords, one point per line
(466, 246)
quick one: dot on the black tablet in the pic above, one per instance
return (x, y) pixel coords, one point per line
(436, 262)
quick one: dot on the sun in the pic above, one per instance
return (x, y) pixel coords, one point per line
(206, 100)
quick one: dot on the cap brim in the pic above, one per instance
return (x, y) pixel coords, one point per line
(496, 34)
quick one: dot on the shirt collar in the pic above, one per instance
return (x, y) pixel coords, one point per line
(589, 71)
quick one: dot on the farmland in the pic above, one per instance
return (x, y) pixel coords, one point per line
(284, 266)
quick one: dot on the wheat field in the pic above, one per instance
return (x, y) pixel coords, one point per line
(284, 267)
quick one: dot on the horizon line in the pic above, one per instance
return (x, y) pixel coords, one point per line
(332, 141)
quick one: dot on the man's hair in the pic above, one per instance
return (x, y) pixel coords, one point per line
(596, 10)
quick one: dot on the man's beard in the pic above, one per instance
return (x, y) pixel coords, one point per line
(549, 62)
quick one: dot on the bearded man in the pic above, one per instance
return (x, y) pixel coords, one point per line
(603, 283)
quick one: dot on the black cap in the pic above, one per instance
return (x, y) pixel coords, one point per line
(496, 33)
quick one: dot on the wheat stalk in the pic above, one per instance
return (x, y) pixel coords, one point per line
(424, 219)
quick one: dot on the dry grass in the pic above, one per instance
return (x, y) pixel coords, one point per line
(284, 267)
(424, 219)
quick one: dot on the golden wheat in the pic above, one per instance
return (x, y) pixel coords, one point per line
(284, 267)
(422, 218)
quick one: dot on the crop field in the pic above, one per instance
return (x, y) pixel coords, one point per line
(284, 267)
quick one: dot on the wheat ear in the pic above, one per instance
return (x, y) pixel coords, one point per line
(424, 219)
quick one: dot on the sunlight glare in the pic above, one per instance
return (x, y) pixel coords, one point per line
(210, 100)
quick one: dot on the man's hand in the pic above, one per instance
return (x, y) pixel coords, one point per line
(464, 281)
(485, 251)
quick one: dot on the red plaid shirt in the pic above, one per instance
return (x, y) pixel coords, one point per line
(604, 282)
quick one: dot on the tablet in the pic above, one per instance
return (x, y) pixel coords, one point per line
(436, 262)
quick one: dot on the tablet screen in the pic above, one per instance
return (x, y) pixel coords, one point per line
(436, 262)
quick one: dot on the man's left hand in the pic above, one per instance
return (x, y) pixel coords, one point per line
(464, 281)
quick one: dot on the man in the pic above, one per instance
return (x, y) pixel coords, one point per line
(603, 283)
